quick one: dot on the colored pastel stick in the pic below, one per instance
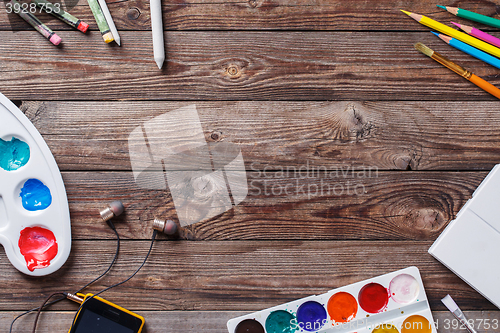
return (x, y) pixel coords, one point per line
(472, 16)
(62, 15)
(470, 50)
(479, 34)
(101, 21)
(109, 20)
(37, 24)
(435, 25)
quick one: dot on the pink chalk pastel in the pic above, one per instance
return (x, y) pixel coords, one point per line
(55, 39)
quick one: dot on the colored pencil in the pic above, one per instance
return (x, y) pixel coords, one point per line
(62, 15)
(101, 21)
(472, 16)
(479, 34)
(157, 29)
(489, 59)
(109, 20)
(468, 75)
(37, 24)
(435, 25)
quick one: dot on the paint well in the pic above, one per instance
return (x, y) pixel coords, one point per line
(311, 316)
(249, 326)
(373, 298)
(14, 154)
(4, 219)
(404, 289)
(280, 321)
(342, 307)
(416, 324)
(385, 328)
(35, 195)
(38, 246)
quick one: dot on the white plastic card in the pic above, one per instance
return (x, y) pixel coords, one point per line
(470, 244)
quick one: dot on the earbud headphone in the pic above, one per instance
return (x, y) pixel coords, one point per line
(168, 227)
(116, 208)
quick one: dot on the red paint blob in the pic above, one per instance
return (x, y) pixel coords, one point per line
(373, 298)
(38, 246)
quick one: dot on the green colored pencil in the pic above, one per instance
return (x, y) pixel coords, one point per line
(472, 16)
(101, 21)
(61, 14)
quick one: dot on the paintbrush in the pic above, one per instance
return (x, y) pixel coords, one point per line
(453, 307)
(486, 86)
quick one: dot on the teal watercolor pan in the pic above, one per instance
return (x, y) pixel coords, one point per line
(390, 303)
(35, 228)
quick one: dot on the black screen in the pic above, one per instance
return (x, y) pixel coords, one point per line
(91, 322)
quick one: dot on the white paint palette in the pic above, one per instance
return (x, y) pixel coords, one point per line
(390, 303)
(35, 228)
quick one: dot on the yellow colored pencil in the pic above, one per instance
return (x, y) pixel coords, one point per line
(454, 33)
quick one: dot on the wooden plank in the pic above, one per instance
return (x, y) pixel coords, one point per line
(215, 321)
(260, 15)
(237, 66)
(396, 206)
(274, 135)
(232, 275)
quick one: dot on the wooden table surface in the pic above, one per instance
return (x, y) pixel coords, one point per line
(330, 84)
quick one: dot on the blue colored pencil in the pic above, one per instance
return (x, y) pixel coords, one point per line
(489, 59)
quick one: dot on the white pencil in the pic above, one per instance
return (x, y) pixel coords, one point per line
(157, 28)
(109, 19)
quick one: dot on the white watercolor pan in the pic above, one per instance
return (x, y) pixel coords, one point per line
(390, 303)
(37, 221)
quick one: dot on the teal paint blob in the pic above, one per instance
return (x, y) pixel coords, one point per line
(14, 154)
(280, 321)
(35, 195)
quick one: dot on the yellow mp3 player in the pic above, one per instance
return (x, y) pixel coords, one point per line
(97, 315)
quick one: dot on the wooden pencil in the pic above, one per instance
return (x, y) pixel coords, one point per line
(489, 59)
(466, 14)
(479, 34)
(479, 44)
(468, 75)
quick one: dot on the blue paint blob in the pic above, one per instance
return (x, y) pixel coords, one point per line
(311, 316)
(14, 154)
(35, 195)
(280, 321)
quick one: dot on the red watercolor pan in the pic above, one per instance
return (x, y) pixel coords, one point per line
(373, 297)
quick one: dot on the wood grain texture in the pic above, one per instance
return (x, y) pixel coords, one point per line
(280, 135)
(237, 66)
(232, 275)
(396, 206)
(210, 321)
(260, 15)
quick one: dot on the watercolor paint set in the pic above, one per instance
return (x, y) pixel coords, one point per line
(390, 303)
(35, 228)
